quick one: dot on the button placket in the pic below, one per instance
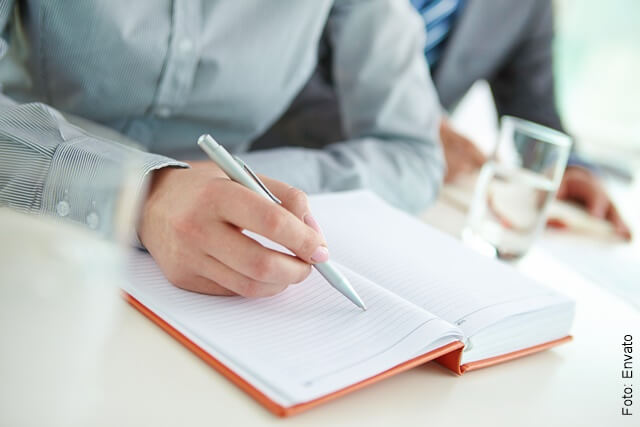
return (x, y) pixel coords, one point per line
(182, 60)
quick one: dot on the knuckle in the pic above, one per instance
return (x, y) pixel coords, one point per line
(215, 187)
(308, 242)
(205, 190)
(297, 200)
(250, 289)
(263, 267)
(274, 220)
(304, 273)
(213, 190)
(183, 224)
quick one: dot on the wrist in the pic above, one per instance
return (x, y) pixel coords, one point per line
(153, 186)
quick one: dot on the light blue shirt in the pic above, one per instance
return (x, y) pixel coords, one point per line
(80, 79)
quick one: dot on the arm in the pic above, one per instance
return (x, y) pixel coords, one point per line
(191, 220)
(388, 107)
(49, 166)
(524, 87)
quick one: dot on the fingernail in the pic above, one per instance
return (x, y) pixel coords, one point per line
(321, 254)
(311, 222)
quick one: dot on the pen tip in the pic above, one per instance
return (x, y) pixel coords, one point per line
(355, 298)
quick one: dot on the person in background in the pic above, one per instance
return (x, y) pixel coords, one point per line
(82, 81)
(506, 43)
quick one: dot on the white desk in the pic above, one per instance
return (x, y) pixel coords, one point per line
(148, 378)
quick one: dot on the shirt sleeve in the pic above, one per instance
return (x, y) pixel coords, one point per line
(388, 107)
(49, 166)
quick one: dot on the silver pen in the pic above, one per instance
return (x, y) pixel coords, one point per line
(239, 172)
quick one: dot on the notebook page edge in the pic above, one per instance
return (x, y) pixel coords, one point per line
(538, 296)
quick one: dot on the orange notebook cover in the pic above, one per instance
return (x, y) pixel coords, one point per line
(448, 356)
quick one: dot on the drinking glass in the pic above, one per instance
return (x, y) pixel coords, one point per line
(515, 188)
(59, 300)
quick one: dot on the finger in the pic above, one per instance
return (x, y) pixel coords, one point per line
(249, 211)
(249, 258)
(583, 188)
(203, 285)
(618, 223)
(218, 274)
(294, 200)
(597, 202)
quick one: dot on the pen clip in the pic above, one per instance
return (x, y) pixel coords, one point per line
(257, 180)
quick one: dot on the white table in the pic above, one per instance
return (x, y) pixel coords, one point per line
(148, 378)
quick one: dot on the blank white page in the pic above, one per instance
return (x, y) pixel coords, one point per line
(423, 265)
(301, 344)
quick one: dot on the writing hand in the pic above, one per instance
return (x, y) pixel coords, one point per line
(192, 222)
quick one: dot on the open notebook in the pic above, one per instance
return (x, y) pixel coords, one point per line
(428, 297)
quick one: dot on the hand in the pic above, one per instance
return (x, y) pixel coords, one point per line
(192, 222)
(580, 185)
(460, 153)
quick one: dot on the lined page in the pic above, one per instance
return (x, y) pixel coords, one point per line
(518, 332)
(423, 265)
(301, 344)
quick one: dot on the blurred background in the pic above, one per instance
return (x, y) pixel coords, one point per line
(597, 74)
(597, 70)
(597, 64)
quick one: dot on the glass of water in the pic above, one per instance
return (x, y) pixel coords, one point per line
(515, 188)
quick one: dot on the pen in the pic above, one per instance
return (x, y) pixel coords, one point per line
(239, 172)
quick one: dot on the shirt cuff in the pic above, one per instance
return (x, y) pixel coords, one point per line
(88, 181)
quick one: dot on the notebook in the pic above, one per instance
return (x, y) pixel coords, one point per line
(428, 298)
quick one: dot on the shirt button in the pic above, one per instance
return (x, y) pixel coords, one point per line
(185, 46)
(93, 220)
(163, 112)
(63, 208)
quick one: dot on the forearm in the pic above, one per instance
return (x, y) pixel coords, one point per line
(50, 167)
(406, 174)
(388, 108)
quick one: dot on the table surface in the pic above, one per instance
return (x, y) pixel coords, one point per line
(145, 377)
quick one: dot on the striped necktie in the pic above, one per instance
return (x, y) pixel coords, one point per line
(438, 16)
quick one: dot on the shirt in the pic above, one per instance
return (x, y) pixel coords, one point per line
(84, 82)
